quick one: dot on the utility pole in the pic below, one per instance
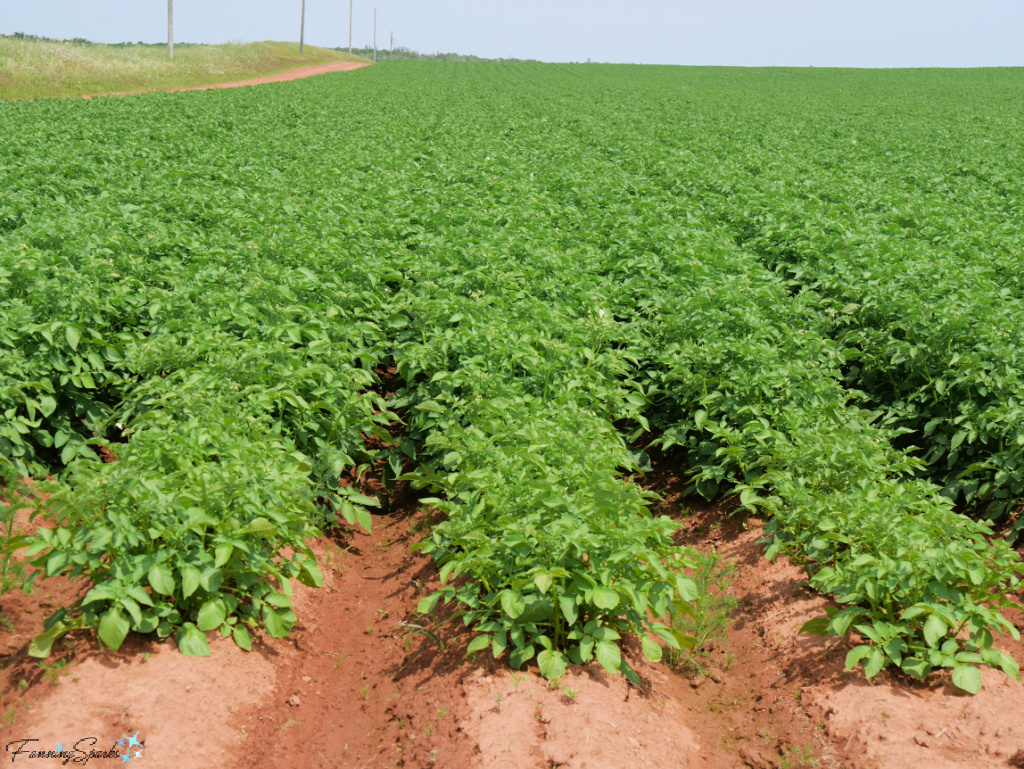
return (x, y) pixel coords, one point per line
(170, 29)
(302, 28)
(374, 35)
(349, 27)
(391, 51)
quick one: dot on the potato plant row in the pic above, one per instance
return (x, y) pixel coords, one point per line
(156, 305)
(938, 348)
(207, 285)
(899, 221)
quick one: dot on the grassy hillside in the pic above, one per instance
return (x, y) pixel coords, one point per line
(34, 68)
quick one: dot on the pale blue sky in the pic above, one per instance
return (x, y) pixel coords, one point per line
(847, 33)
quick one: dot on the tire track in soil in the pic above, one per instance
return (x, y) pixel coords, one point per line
(354, 687)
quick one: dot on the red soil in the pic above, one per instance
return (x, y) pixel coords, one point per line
(357, 686)
(280, 77)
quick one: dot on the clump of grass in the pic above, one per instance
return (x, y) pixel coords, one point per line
(39, 68)
(711, 610)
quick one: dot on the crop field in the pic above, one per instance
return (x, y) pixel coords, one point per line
(508, 286)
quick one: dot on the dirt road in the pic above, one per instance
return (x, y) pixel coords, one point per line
(280, 77)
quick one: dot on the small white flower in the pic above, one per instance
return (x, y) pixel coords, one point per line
(600, 312)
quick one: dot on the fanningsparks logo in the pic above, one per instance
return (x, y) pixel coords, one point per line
(126, 750)
(133, 748)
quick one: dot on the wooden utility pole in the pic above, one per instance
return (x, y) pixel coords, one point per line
(349, 27)
(170, 28)
(302, 28)
(374, 35)
(391, 50)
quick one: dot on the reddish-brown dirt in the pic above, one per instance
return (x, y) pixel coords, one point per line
(357, 684)
(280, 77)
(845, 720)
